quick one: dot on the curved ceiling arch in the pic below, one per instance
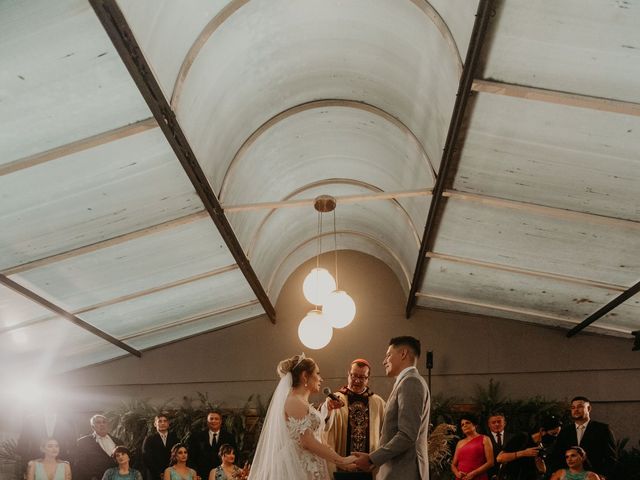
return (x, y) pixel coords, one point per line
(344, 181)
(284, 58)
(306, 250)
(318, 104)
(235, 5)
(287, 226)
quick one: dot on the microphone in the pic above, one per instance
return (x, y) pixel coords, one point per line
(332, 396)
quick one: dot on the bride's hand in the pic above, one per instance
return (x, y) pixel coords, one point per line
(347, 460)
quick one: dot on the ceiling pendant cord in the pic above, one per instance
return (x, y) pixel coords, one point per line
(335, 248)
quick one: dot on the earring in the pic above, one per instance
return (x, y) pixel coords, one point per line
(305, 384)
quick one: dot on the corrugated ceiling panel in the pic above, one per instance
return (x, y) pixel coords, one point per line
(564, 246)
(511, 290)
(195, 325)
(149, 262)
(90, 196)
(49, 347)
(17, 310)
(61, 78)
(592, 48)
(284, 55)
(549, 154)
(151, 311)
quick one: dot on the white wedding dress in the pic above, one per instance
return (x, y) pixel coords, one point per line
(279, 455)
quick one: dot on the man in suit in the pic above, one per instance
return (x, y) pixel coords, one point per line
(596, 438)
(156, 448)
(403, 443)
(93, 452)
(40, 426)
(204, 446)
(496, 423)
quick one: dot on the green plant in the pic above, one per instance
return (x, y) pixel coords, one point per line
(10, 464)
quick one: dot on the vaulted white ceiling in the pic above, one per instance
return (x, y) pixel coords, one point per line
(160, 160)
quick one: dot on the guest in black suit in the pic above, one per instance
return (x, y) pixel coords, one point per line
(498, 436)
(93, 452)
(40, 426)
(204, 446)
(156, 448)
(596, 438)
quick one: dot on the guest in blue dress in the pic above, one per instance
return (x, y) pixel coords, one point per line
(49, 467)
(178, 469)
(122, 456)
(576, 459)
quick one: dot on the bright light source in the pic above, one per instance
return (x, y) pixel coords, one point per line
(339, 309)
(314, 330)
(318, 285)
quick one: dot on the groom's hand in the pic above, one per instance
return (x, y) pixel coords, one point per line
(363, 462)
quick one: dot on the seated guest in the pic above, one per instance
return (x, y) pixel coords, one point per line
(156, 448)
(94, 452)
(474, 454)
(227, 470)
(576, 459)
(123, 471)
(178, 461)
(49, 467)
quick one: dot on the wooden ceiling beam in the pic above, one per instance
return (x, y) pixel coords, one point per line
(526, 271)
(78, 146)
(368, 197)
(557, 97)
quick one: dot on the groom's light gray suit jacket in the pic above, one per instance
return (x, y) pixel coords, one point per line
(403, 445)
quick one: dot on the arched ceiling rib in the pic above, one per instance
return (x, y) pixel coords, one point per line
(234, 5)
(326, 185)
(326, 106)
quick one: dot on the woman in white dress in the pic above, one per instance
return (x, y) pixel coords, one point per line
(290, 445)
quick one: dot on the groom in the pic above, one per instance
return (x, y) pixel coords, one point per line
(403, 444)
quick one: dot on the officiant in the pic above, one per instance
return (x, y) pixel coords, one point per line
(353, 423)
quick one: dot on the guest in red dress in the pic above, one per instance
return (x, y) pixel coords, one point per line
(474, 453)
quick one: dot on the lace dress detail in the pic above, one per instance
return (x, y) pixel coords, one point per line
(314, 465)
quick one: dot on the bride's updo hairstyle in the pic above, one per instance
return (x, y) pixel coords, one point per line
(296, 367)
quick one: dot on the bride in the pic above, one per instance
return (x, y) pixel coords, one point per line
(290, 445)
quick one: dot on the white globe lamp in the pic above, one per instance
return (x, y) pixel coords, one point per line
(317, 285)
(339, 309)
(314, 331)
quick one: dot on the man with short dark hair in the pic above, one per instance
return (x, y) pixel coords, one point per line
(204, 445)
(93, 453)
(354, 420)
(403, 443)
(596, 438)
(156, 448)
